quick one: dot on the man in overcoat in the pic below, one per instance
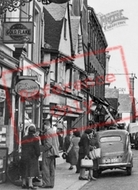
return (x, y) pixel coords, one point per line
(50, 152)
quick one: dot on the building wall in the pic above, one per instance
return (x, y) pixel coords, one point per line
(97, 57)
(65, 43)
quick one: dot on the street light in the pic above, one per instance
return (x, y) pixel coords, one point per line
(12, 5)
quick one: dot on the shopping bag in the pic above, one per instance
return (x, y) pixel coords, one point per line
(95, 153)
(86, 163)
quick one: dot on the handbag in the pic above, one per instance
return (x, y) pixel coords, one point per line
(64, 155)
(86, 163)
(95, 153)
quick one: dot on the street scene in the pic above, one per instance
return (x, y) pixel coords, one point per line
(112, 180)
(68, 94)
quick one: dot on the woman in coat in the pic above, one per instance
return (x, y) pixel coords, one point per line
(67, 143)
(84, 148)
(29, 158)
(74, 147)
(94, 144)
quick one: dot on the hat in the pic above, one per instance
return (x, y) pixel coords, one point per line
(32, 128)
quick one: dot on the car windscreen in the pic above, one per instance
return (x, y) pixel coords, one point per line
(110, 138)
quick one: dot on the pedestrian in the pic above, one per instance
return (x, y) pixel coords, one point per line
(60, 137)
(66, 145)
(29, 158)
(84, 148)
(50, 152)
(38, 135)
(36, 180)
(93, 144)
(74, 147)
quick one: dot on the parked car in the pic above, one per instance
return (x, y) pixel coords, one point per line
(132, 129)
(116, 151)
(136, 141)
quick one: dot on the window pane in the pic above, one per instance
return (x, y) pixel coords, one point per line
(108, 139)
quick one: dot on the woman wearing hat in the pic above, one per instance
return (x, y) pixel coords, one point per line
(84, 148)
(30, 155)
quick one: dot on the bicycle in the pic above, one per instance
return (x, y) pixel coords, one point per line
(14, 168)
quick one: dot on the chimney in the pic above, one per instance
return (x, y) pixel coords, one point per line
(131, 85)
(131, 92)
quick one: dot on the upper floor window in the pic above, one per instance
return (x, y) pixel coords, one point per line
(54, 70)
(80, 48)
(68, 77)
(65, 29)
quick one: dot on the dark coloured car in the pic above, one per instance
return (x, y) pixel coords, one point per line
(136, 141)
(116, 150)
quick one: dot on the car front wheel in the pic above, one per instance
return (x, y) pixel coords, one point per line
(129, 170)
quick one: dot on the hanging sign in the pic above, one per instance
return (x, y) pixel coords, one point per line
(27, 88)
(18, 32)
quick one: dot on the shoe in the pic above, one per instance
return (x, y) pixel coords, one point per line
(46, 187)
(93, 178)
(83, 178)
(71, 168)
(31, 187)
(24, 186)
(35, 180)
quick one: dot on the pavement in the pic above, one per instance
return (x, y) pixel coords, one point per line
(65, 179)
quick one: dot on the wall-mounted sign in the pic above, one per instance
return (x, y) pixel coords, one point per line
(2, 95)
(27, 88)
(18, 32)
(6, 77)
(32, 70)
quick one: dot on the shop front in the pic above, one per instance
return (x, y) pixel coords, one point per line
(8, 68)
(30, 95)
(64, 112)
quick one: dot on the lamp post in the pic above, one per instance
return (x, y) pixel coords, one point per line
(12, 5)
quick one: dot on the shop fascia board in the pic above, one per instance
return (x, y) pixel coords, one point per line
(27, 77)
(8, 61)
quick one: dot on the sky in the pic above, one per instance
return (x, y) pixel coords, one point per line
(122, 63)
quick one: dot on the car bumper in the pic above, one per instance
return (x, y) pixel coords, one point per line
(115, 165)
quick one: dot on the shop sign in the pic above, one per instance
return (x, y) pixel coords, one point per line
(31, 70)
(73, 103)
(2, 95)
(27, 88)
(18, 32)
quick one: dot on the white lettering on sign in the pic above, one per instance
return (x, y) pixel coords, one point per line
(27, 88)
(73, 103)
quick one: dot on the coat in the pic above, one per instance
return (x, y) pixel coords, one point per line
(51, 144)
(74, 150)
(94, 143)
(29, 156)
(67, 142)
(84, 147)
